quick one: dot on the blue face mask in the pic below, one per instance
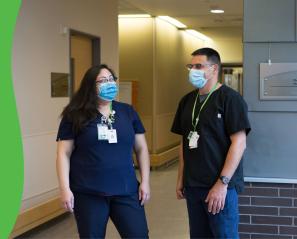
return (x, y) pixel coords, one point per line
(197, 78)
(108, 91)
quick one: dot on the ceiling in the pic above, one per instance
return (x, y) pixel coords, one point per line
(193, 13)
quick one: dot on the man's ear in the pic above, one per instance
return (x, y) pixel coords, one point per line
(216, 67)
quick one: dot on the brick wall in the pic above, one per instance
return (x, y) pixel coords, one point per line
(268, 210)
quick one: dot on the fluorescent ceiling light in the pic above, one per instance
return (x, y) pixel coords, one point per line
(198, 35)
(134, 16)
(173, 21)
(217, 11)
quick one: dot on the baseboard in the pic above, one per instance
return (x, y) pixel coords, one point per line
(160, 159)
(36, 216)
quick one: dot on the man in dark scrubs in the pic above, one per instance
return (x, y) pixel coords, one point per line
(213, 123)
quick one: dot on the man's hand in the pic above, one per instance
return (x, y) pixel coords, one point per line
(216, 197)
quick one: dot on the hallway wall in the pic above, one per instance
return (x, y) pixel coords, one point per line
(135, 60)
(40, 48)
(173, 52)
(228, 42)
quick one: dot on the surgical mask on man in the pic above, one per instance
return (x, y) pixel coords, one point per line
(108, 91)
(197, 78)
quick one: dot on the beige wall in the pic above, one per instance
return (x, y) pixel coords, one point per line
(229, 49)
(173, 49)
(136, 49)
(168, 67)
(39, 48)
(136, 58)
(228, 42)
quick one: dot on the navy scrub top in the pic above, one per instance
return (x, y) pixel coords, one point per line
(97, 166)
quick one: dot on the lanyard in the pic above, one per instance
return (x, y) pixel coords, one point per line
(112, 113)
(110, 106)
(110, 120)
(193, 112)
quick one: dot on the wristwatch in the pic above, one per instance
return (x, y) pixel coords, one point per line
(225, 180)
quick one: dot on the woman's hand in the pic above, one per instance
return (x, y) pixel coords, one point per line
(64, 150)
(179, 190)
(144, 193)
(67, 199)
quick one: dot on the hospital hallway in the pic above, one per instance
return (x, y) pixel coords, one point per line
(167, 216)
(160, 64)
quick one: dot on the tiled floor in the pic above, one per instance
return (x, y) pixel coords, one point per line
(167, 217)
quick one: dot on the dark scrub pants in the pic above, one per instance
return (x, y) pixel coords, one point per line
(206, 225)
(93, 211)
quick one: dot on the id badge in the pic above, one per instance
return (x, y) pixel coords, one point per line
(193, 140)
(112, 136)
(102, 132)
(190, 135)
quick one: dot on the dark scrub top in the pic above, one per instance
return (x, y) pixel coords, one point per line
(97, 166)
(224, 114)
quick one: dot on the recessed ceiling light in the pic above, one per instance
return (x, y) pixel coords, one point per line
(217, 11)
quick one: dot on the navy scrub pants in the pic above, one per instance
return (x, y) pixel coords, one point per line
(93, 211)
(206, 225)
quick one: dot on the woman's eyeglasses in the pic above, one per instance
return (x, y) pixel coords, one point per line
(104, 79)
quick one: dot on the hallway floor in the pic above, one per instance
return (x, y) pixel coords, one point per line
(167, 216)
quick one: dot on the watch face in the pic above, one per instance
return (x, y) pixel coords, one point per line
(225, 180)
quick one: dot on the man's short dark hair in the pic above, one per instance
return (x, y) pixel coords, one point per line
(212, 55)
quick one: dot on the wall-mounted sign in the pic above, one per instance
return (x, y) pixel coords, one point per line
(278, 81)
(60, 84)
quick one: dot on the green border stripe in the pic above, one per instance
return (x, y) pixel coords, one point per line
(11, 151)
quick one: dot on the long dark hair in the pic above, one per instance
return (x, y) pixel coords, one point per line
(83, 106)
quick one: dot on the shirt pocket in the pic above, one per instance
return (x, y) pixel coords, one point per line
(212, 123)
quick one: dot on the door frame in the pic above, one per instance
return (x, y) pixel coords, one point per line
(96, 54)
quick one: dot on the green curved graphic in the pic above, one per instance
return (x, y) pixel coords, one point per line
(11, 153)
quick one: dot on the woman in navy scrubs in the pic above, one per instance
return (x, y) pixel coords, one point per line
(96, 139)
